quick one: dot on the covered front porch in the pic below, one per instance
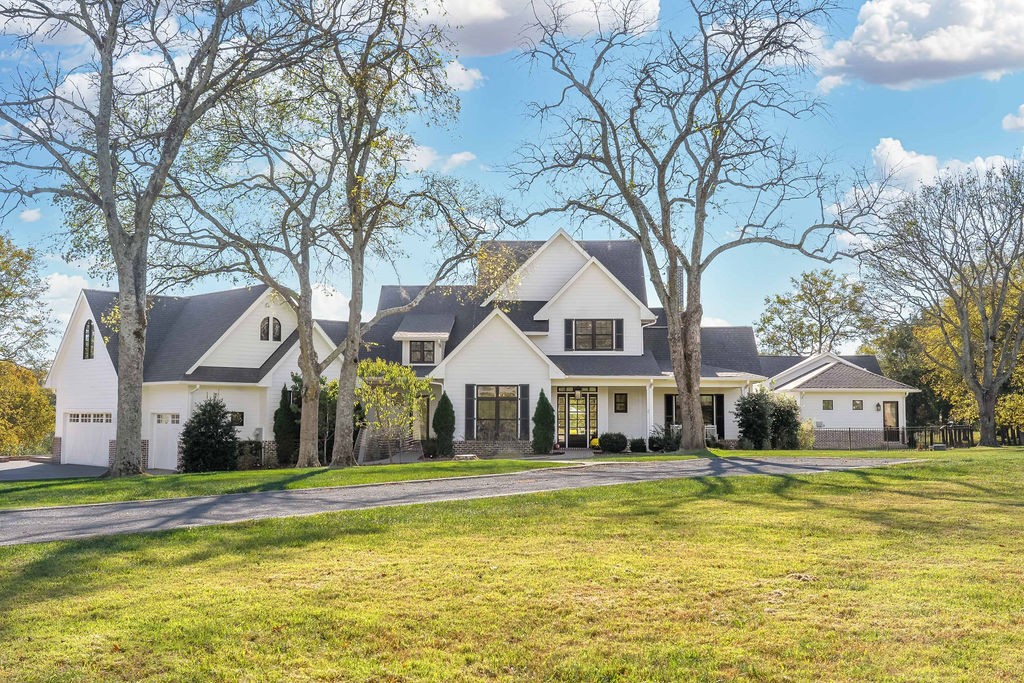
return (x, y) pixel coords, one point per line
(586, 407)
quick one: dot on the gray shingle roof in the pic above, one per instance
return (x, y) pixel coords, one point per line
(723, 349)
(843, 376)
(180, 329)
(644, 366)
(772, 365)
(623, 258)
(426, 323)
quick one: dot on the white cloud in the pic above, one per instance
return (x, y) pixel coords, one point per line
(909, 168)
(30, 215)
(329, 303)
(490, 27)
(1014, 121)
(461, 77)
(421, 158)
(61, 294)
(458, 159)
(904, 43)
(710, 321)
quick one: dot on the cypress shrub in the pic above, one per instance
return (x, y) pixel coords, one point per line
(208, 441)
(543, 426)
(444, 426)
(286, 430)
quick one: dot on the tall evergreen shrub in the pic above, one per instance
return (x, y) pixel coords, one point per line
(543, 425)
(286, 430)
(444, 426)
(754, 418)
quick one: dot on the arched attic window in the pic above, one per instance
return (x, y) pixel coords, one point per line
(88, 341)
(270, 329)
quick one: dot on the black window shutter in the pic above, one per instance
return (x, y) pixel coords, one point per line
(720, 415)
(568, 334)
(670, 404)
(470, 412)
(524, 412)
(618, 334)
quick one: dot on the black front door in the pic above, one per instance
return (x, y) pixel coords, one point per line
(891, 420)
(580, 419)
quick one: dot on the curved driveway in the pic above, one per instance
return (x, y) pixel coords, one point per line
(36, 525)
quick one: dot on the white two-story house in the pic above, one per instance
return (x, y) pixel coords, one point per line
(573, 321)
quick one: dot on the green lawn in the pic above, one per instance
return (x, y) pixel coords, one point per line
(908, 573)
(45, 492)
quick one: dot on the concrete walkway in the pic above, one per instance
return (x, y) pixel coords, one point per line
(82, 521)
(26, 470)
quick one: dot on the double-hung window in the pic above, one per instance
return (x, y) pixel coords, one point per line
(421, 352)
(593, 334)
(497, 412)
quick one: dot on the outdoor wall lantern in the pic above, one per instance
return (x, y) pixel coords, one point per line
(878, 407)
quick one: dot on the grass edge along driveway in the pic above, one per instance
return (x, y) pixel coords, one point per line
(904, 573)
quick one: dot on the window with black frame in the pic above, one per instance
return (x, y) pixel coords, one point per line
(594, 335)
(497, 412)
(421, 352)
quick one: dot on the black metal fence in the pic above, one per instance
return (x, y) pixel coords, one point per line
(952, 436)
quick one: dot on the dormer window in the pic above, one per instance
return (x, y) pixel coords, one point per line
(270, 329)
(589, 334)
(421, 352)
(88, 341)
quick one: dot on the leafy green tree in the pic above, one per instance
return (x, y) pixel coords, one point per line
(208, 440)
(754, 418)
(821, 312)
(901, 359)
(543, 425)
(389, 393)
(286, 429)
(444, 425)
(785, 425)
(27, 320)
(26, 413)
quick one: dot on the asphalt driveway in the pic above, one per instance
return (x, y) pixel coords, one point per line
(25, 470)
(82, 521)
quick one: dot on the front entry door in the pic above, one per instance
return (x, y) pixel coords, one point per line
(891, 420)
(580, 419)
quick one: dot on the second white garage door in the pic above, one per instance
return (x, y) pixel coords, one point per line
(163, 447)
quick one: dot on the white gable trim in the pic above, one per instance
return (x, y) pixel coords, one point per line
(284, 356)
(97, 336)
(645, 313)
(438, 371)
(810, 360)
(234, 326)
(792, 384)
(511, 278)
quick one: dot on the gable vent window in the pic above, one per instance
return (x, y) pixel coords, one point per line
(593, 334)
(421, 352)
(270, 329)
(88, 341)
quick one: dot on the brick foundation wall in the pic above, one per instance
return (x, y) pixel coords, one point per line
(55, 448)
(838, 439)
(486, 449)
(112, 449)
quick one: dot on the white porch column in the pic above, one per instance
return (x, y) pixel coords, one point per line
(650, 408)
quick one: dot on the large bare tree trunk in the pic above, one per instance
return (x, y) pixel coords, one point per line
(684, 344)
(131, 354)
(987, 415)
(344, 448)
(309, 367)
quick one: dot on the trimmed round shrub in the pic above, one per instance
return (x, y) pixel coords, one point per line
(613, 442)
(637, 446)
(208, 440)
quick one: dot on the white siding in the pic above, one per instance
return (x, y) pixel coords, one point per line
(82, 385)
(282, 376)
(248, 399)
(630, 423)
(496, 355)
(593, 295)
(842, 415)
(242, 347)
(731, 395)
(546, 274)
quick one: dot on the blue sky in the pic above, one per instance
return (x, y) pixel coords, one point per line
(921, 84)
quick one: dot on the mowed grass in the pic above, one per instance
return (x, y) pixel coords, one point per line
(908, 573)
(48, 492)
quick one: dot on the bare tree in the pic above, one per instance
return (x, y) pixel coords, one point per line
(670, 139)
(949, 259)
(100, 127)
(313, 174)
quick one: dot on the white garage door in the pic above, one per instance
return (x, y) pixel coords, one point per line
(163, 447)
(86, 439)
